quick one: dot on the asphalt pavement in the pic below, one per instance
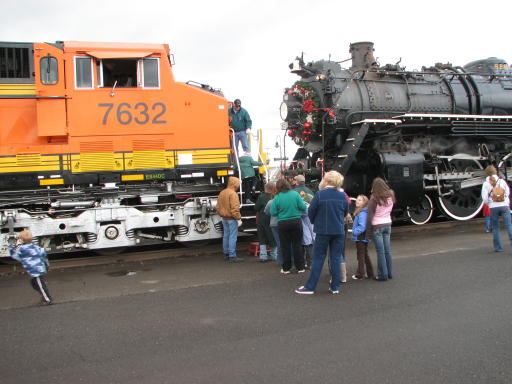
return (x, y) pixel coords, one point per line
(444, 318)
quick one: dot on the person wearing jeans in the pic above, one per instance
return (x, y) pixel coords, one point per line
(379, 224)
(382, 241)
(498, 206)
(229, 238)
(327, 212)
(504, 212)
(228, 208)
(275, 233)
(241, 123)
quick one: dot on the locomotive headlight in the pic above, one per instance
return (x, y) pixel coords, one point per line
(283, 110)
(111, 233)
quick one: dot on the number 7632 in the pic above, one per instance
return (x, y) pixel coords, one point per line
(140, 113)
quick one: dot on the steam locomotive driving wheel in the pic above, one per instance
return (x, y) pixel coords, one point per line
(464, 203)
(421, 213)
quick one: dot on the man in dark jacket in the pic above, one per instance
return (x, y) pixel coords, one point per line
(327, 212)
(299, 183)
(241, 123)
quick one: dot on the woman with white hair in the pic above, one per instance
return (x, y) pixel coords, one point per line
(327, 212)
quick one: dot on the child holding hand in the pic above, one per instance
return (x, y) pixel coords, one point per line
(364, 264)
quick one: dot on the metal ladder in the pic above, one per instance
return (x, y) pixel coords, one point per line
(247, 207)
(350, 148)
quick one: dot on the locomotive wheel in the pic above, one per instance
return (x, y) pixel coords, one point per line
(466, 203)
(422, 213)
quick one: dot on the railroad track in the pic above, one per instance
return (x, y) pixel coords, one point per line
(136, 255)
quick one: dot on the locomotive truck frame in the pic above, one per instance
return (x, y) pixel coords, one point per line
(429, 133)
(100, 147)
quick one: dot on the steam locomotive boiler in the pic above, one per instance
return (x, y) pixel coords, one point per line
(101, 148)
(429, 133)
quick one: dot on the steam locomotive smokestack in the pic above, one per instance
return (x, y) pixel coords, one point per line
(362, 56)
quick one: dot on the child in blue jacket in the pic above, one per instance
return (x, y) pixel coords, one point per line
(35, 263)
(359, 236)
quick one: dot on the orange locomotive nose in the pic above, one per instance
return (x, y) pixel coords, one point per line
(80, 121)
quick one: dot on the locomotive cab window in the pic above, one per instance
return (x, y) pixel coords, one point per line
(121, 72)
(83, 72)
(49, 70)
(150, 69)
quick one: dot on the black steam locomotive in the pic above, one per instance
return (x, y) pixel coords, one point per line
(430, 134)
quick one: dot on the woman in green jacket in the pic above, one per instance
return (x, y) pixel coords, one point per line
(288, 207)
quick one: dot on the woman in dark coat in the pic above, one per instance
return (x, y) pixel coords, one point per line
(265, 236)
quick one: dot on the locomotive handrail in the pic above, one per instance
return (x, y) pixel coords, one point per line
(429, 73)
(34, 97)
(235, 151)
(454, 116)
(118, 206)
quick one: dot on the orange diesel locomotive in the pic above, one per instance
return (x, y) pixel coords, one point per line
(100, 147)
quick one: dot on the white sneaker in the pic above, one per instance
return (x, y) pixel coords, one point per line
(284, 272)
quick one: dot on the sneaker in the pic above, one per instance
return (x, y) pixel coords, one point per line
(334, 292)
(355, 277)
(284, 272)
(301, 271)
(303, 291)
(379, 279)
(235, 259)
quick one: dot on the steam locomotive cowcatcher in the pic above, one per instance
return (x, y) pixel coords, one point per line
(430, 134)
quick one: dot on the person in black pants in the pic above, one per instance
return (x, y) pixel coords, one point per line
(35, 262)
(288, 206)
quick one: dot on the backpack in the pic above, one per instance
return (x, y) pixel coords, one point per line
(497, 193)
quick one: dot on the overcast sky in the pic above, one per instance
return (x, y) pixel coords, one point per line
(244, 47)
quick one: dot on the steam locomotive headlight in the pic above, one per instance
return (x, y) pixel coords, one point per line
(283, 110)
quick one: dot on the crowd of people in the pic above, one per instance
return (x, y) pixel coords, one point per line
(298, 228)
